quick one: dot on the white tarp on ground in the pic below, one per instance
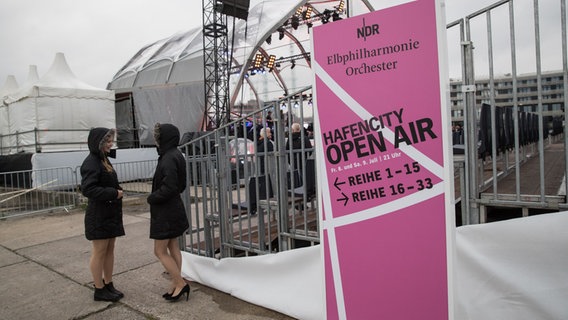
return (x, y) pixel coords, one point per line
(58, 101)
(514, 269)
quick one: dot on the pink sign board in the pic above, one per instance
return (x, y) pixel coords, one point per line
(384, 167)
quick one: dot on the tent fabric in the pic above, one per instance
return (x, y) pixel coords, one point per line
(155, 60)
(10, 86)
(59, 81)
(55, 112)
(513, 269)
(31, 80)
(182, 106)
(178, 59)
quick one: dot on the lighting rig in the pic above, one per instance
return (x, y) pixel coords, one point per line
(308, 17)
(303, 15)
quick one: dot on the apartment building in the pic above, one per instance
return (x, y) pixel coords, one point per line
(551, 94)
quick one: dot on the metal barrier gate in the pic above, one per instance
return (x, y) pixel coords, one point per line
(32, 191)
(515, 150)
(249, 194)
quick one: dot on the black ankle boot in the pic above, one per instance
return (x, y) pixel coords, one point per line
(103, 294)
(110, 287)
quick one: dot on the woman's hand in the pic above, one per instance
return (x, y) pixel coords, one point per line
(120, 194)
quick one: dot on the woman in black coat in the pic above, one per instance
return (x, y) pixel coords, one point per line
(103, 217)
(167, 211)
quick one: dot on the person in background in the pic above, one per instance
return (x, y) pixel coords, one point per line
(255, 128)
(103, 217)
(264, 137)
(168, 220)
(296, 144)
(269, 120)
(310, 130)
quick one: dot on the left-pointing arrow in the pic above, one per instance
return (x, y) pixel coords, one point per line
(337, 183)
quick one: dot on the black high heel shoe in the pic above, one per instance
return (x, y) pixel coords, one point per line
(168, 295)
(183, 291)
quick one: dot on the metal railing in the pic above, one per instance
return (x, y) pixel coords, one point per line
(21, 194)
(43, 140)
(489, 176)
(35, 140)
(249, 195)
(55, 189)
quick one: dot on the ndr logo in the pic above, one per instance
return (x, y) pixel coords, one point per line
(367, 31)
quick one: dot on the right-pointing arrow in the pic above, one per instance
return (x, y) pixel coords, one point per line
(344, 199)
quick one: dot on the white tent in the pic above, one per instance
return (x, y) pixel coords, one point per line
(165, 78)
(56, 112)
(10, 86)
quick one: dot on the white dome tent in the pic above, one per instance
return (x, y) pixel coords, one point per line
(165, 80)
(56, 111)
(169, 73)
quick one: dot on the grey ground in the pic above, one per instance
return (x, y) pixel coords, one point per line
(44, 274)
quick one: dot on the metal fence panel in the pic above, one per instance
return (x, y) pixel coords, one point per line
(22, 194)
(514, 132)
(252, 195)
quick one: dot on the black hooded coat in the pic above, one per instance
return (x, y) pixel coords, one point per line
(167, 211)
(103, 218)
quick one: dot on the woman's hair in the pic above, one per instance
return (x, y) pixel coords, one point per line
(157, 133)
(106, 163)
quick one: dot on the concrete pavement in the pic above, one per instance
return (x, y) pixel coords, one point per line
(44, 274)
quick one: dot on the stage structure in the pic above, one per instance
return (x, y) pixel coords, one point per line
(214, 64)
(163, 81)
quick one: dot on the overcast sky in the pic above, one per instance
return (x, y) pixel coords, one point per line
(99, 37)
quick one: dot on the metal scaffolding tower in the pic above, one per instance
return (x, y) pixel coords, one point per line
(215, 65)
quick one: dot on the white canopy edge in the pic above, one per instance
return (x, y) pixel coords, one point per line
(59, 81)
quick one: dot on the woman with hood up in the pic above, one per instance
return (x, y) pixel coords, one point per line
(168, 219)
(103, 217)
